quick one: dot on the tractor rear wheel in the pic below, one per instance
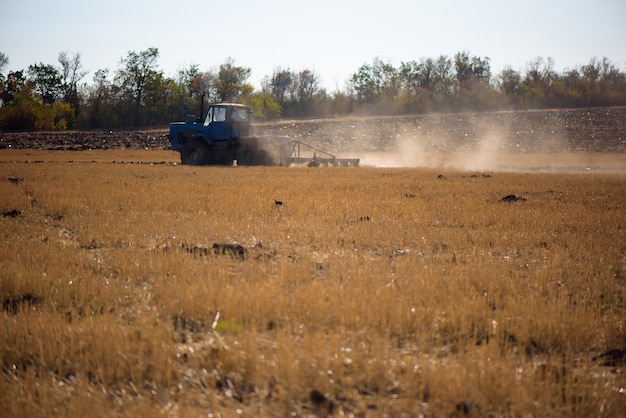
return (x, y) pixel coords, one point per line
(195, 152)
(247, 156)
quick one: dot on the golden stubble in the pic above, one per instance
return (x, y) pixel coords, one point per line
(361, 291)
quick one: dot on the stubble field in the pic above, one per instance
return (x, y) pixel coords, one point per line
(134, 286)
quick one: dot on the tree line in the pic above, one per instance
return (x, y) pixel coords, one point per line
(138, 94)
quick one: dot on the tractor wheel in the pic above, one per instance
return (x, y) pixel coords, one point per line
(194, 152)
(247, 156)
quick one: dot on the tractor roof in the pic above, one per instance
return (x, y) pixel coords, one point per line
(229, 105)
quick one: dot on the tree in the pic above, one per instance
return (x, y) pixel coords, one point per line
(264, 105)
(139, 69)
(375, 82)
(46, 81)
(297, 94)
(232, 82)
(463, 68)
(304, 90)
(100, 103)
(427, 72)
(22, 110)
(162, 100)
(278, 85)
(363, 84)
(415, 97)
(442, 83)
(190, 81)
(509, 85)
(472, 87)
(539, 75)
(11, 87)
(471, 68)
(481, 69)
(409, 74)
(56, 117)
(71, 75)
(4, 60)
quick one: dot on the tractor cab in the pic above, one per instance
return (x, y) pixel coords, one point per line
(226, 121)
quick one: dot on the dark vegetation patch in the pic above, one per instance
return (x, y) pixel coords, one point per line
(233, 250)
(15, 304)
(512, 198)
(12, 213)
(611, 358)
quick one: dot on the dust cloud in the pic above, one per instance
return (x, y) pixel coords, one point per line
(433, 149)
(503, 147)
(533, 140)
(489, 158)
(414, 154)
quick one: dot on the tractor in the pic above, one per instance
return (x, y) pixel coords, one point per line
(225, 136)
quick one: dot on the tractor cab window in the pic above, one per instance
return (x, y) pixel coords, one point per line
(209, 117)
(215, 114)
(241, 115)
(219, 114)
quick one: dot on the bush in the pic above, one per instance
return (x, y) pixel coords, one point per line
(21, 116)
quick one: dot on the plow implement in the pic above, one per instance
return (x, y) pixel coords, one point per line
(319, 158)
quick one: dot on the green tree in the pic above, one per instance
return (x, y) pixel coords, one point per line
(100, 103)
(264, 106)
(415, 79)
(441, 87)
(539, 75)
(162, 100)
(569, 90)
(46, 81)
(231, 84)
(12, 86)
(612, 84)
(23, 109)
(278, 86)
(138, 71)
(56, 117)
(410, 73)
(509, 85)
(427, 72)
(472, 87)
(190, 80)
(304, 95)
(189, 92)
(376, 83)
(307, 85)
(463, 69)
(364, 84)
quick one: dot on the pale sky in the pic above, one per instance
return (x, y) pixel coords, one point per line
(332, 37)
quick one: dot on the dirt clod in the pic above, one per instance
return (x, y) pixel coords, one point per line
(513, 198)
(611, 358)
(12, 213)
(13, 305)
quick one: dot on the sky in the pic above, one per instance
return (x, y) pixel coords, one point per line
(333, 38)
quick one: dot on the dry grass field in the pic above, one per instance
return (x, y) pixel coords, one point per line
(152, 289)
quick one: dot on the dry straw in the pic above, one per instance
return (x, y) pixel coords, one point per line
(146, 290)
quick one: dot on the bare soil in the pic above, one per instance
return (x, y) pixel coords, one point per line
(466, 140)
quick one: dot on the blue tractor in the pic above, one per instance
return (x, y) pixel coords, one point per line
(225, 136)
